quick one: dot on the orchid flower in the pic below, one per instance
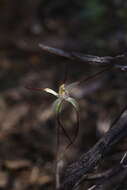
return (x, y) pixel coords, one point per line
(62, 96)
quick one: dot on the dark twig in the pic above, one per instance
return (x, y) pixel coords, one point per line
(112, 177)
(87, 161)
(118, 117)
(119, 61)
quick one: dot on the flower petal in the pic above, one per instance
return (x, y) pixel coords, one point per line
(57, 105)
(51, 91)
(73, 102)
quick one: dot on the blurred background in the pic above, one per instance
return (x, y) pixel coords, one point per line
(27, 123)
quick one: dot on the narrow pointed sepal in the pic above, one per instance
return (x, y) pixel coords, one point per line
(50, 91)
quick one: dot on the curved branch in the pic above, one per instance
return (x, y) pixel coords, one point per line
(87, 161)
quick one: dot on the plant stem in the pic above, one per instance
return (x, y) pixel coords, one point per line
(57, 167)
